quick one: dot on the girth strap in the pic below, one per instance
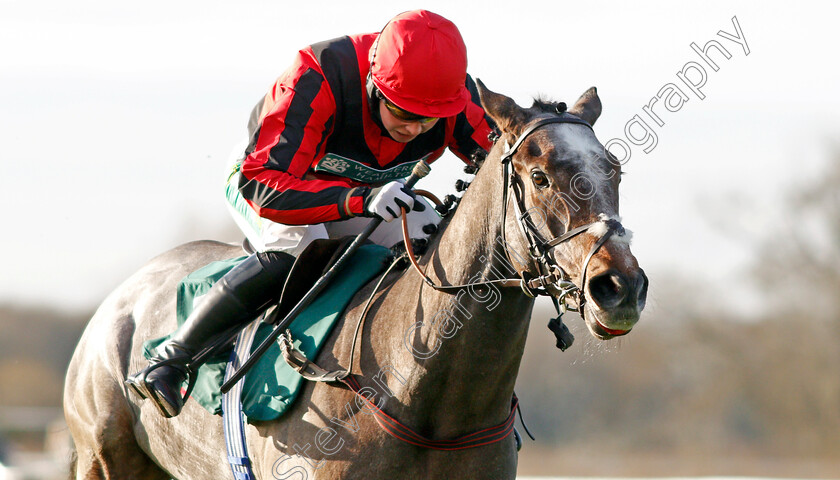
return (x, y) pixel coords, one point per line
(232, 415)
(306, 368)
(406, 434)
(310, 371)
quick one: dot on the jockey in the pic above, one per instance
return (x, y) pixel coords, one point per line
(329, 145)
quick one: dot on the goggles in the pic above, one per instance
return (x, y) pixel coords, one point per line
(405, 115)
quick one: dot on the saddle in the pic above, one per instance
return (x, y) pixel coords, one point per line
(309, 266)
(272, 385)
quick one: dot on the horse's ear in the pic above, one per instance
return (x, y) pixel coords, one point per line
(503, 110)
(588, 106)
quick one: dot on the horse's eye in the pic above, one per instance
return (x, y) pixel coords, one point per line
(539, 179)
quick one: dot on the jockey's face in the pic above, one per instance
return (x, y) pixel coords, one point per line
(401, 130)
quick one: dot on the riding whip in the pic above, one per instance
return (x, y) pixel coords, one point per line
(420, 170)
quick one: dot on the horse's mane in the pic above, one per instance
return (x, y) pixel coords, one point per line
(477, 158)
(549, 106)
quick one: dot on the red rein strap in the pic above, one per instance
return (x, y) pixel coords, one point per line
(404, 433)
(504, 282)
(401, 432)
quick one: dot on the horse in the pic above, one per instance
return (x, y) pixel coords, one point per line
(442, 362)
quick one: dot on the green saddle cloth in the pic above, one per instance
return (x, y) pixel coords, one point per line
(271, 386)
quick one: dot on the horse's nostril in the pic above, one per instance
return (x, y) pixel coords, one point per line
(642, 283)
(608, 289)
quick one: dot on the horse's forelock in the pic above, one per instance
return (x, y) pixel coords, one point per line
(548, 106)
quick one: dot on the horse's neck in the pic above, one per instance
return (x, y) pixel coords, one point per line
(465, 356)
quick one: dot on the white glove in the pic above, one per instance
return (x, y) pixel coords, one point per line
(386, 201)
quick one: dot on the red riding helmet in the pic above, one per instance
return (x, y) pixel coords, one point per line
(419, 62)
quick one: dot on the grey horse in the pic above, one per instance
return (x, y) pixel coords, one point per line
(443, 363)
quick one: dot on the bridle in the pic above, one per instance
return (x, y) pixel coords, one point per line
(551, 276)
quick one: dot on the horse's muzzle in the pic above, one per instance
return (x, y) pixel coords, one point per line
(613, 289)
(619, 299)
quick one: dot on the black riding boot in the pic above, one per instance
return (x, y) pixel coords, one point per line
(238, 297)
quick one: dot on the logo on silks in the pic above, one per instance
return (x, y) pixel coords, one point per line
(352, 169)
(332, 163)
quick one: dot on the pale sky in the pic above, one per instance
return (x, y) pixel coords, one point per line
(116, 118)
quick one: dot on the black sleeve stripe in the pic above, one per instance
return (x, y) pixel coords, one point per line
(254, 119)
(466, 144)
(296, 119)
(342, 203)
(464, 131)
(254, 127)
(474, 97)
(252, 143)
(327, 128)
(265, 197)
(337, 58)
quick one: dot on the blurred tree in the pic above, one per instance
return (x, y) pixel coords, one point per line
(35, 347)
(698, 388)
(799, 264)
(798, 269)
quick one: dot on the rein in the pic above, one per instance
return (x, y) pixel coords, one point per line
(311, 371)
(551, 274)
